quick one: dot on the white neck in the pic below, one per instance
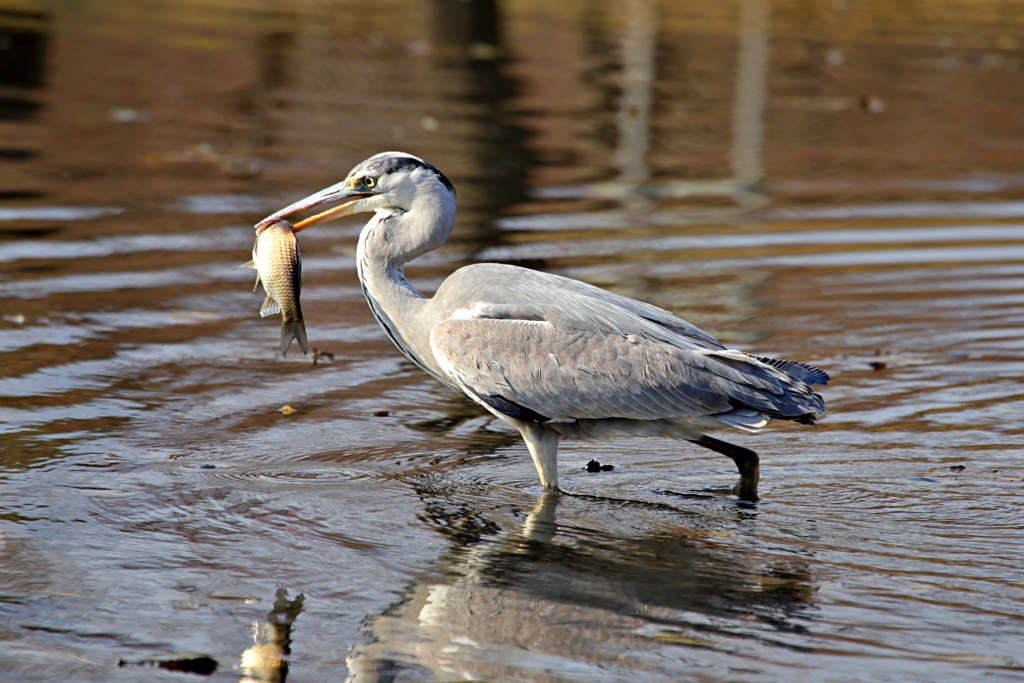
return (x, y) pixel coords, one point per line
(399, 307)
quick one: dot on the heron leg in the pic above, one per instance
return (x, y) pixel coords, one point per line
(543, 445)
(747, 462)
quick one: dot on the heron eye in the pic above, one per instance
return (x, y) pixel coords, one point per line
(369, 182)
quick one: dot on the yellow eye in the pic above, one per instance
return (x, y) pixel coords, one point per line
(369, 182)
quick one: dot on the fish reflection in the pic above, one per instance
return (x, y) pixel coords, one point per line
(267, 660)
(553, 595)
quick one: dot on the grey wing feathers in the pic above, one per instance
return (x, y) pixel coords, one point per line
(566, 350)
(808, 374)
(566, 374)
(533, 295)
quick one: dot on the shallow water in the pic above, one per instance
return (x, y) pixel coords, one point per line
(833, 182)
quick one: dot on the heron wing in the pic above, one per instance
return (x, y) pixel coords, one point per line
(526, 294)
(535, 369)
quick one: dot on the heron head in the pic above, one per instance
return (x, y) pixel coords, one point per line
(389, 180)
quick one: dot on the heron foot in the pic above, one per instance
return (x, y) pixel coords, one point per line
(747, 462)
(746, 488)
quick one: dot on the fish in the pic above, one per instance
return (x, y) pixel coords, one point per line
(278, 263)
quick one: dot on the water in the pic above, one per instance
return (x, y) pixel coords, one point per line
(833, 182)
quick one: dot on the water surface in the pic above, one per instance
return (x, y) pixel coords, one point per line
(835, 182)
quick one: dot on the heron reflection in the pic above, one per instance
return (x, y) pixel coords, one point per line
(549, 594)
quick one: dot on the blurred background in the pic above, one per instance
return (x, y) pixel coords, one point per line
(835, 181)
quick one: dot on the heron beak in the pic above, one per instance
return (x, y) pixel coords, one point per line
(341, 192)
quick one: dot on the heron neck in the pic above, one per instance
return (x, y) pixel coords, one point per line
(398, 306)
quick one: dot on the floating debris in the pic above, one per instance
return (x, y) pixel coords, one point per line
(129, 115)
(319, 354)
(872, 104)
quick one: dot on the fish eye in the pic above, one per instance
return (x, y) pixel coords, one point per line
(369, 182)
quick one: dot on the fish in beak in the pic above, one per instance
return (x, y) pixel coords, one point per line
(278, 263)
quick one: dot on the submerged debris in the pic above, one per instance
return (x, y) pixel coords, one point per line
(203, 665)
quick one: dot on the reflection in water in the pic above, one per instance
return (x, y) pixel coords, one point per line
(751, 92)
(267, 660)
(24, 44)
(549, 597)
(469, 64)
(639, 44)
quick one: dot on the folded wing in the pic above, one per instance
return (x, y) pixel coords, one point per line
(537, 369)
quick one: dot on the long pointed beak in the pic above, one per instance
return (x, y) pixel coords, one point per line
(340, 192)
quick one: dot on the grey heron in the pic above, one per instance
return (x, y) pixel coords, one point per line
(551, 356)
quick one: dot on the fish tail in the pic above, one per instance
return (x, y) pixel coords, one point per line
(296, 329)
(300, 334)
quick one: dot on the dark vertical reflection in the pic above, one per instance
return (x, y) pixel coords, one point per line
(469, 64)
(23, 48)
(23, 57)
(275, 49)
(274, 60)
(599, 44)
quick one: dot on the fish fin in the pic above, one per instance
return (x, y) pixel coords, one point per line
(293, 330)
(251, 264)
(269, 307)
